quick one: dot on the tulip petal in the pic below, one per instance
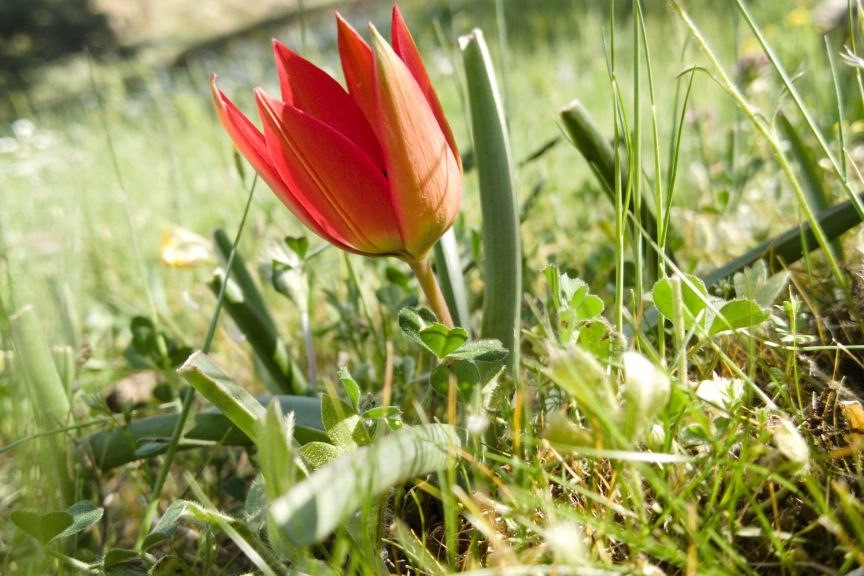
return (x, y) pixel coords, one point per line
(424, 173)
(252, 145)
(311, 89)
(403, 44)
(340, 186)
(357, 66)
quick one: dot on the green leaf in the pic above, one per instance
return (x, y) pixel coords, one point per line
(275, 450)
(55, 525)
(390, 414)
(44, 527)
(167, 524)
(246, 306)
(449, 272)
(233, 400)
(694, 298)
(487, 350)
(120, 445)
(351, 388)
(441, 340)
(502, 246)
(298, 244)
(465, 373)
(439, 379)
(755, 284)
(84, 514)
(598, 339)
(343, 425)
(332, 494)
(413, 321)
(595, 148)
(117, 556)
(738, 314)
(171, 565)
(585, 306)
(318, 454)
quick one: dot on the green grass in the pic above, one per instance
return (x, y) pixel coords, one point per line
(736, 453)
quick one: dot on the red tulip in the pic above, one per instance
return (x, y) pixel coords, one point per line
(373, 169)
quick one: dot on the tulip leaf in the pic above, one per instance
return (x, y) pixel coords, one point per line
(121, 445)
(449, 272)
(245, 304)
(313, 508)
(233, 400)
(502, 253)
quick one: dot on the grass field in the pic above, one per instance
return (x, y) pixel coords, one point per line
(654, 425)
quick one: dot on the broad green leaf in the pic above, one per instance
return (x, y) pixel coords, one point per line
(84, 514)
(343, 425)
(598, 339)
(586, 306)
(318, 454)
(412, 321)
(298, 244)
(738, 314)
(233, 400)
(332, 494)
(694, 298)
(167, 524)
(124, 562)
(487, 350)
(441, 340)
(44, 527)
(755, 284)
(465, 373)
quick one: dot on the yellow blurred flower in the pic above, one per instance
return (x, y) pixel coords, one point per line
(181, 248)
(798, 17)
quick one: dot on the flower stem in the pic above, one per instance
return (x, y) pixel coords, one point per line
(423, 271)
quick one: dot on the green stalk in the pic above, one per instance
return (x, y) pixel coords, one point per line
(47, 395)
(429, 284)
(502, 253)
